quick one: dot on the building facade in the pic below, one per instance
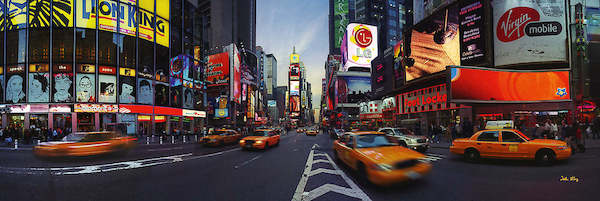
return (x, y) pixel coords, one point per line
(86, 65)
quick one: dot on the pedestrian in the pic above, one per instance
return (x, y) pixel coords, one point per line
(454, 131)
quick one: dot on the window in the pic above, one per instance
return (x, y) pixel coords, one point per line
(126, 51)
(85, 51)
(39, 45)
(490, 136)
(176, 22)
(62, 45)
(16, 46)
(107, 48)
(508, 136)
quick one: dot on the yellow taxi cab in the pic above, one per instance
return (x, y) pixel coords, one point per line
(86, 144)
(379, 158)
(221, 137)
(510, 144)
(260, 139)
(312, 132)
(300, 130)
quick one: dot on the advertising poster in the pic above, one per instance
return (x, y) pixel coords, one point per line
(145, 94)
(162, 94)
(424, 8)
(128, 18)
(295, 103)
(199, 99)
(434, 44)
(236, 76)
(341, 20)
(39, 87)
(147, 4)
(127, 87)
(378, 75)
(86, 87)
(15, 86)
(163, 9)
(362, 45)
(508, 86)
(146, 25)
(108, 88)
(40, 17)
(294, 88)
(62, 83)
(86, 14)
(351, 89)
(176, 92)
(217, 69)
(272, 103)
(162, 31)
(295, 72)
(529, 31)
(108, 15)
(188, 97)
(17, 14)
(592, 16)
(473, 48)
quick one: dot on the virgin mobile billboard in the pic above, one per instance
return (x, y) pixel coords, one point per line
(470, 84)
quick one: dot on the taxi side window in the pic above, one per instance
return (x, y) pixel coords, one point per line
(490, 136)
(508, 136)
(350, 142)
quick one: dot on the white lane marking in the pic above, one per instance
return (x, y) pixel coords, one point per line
(320, 161)
(300, 195)
(111, 166)
(247, 162)
(432, 157)
(322, 170)
(432, 154)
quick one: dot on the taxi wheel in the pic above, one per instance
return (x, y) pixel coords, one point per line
(544, 157)
(472, 155)
(403, 143)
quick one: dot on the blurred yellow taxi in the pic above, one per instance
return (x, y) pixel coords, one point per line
(86, 144)
(260, 139)
(510, 144)
(379, 159)
(300, 130)
(312, 132)
(221, 137)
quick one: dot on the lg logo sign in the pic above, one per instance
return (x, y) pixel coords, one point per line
(363, 37)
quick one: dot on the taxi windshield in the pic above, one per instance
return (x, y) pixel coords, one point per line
(260, 133)
(374, 140)
(218, 133)
(74, 137)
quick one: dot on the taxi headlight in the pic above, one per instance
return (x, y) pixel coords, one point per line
(242, 141)
(562, 147)
(383, 167)
(259, 142)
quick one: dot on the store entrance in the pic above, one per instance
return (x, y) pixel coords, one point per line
(144, 125)
(38, 123)
(15, 125)
(86, 122)
(61, 122)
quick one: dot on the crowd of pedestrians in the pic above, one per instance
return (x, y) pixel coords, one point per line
(10, 134)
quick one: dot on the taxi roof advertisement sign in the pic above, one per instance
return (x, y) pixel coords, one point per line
(529, 31)
(485, 85)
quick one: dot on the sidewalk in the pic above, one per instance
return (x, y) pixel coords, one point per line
(142, 141)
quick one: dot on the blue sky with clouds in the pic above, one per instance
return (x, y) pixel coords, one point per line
(283, 24)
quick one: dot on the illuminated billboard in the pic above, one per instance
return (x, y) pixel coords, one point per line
(529, 31)
(294, 88)
(341, 20)
(295, 103)
(473, 33)
(361, 41)
(294, 58)
(217, 69)
(434, 44)
(470, 84)
(352, 89)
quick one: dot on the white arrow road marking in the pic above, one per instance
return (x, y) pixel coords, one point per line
(432, 157)
(246, 162)
(300, 195)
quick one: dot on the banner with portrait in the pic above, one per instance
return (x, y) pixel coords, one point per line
(86, 87)
(39, 87)
(188, 97)
(108, 88)
(127, 86)
(176, 92)
(145, 94)
(162, 94)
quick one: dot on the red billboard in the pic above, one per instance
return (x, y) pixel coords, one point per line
(217, 69)
(469, 84)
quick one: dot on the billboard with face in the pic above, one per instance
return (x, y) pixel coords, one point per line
(529, 31)
(362, 45)
(86, 87)
(108, 88)
(433, 44)
(492, 85)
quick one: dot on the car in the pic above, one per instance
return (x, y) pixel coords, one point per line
(260, 139)
(300, 130)
(86, 144)
(220, 137)
(407, 138)
(510, 144)
(312, 132)
(379, 158)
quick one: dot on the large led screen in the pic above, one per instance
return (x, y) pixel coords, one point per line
(362, 45)
(529, 31)
(294, 88)
(236, 76)
(492, 85)
(217, 69)
(433, 44)
(351, 89)
(295, 103)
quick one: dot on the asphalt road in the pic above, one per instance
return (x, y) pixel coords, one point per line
(297, 168)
